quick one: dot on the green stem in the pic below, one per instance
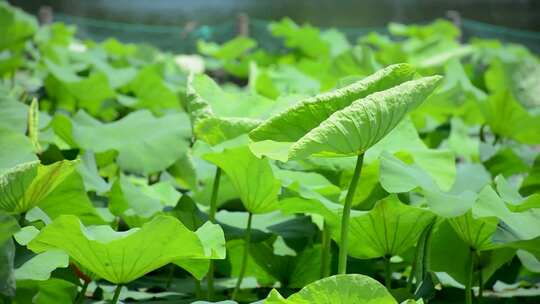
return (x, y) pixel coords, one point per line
(469, 283)
(170, 276)
(342, 261)
(198, 291)
(387, 273)
(326, 245)
(210, 281)
(212, 218)
(422, 257)
(244, 258)
(480, 286)
(82, 294)
(213, 198)
(116, 293)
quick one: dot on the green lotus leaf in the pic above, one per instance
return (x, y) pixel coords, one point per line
(145, 144)
(24, 186)
(252, 178)
(389, 229)
(293, 124)
(118, 256)
(345, 288)
(353, 129)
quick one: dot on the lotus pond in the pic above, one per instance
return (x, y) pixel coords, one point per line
(396, 168)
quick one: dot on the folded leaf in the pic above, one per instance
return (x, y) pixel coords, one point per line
(359, 126)
(295, 122)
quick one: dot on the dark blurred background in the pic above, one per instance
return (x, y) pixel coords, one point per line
(156, 21)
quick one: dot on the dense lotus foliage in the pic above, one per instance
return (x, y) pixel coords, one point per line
(389, 168)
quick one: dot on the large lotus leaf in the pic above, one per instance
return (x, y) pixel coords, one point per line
(16, 26)
(362, 124)
(390, 228)
(24, 186)
(252, 178)
(356, 128)
(145, 144)
(118, 256)
(338, 289)
(293, 123)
